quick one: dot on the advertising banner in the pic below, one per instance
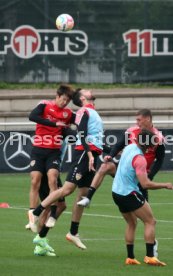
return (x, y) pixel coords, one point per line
(112, 41)
(15, 149)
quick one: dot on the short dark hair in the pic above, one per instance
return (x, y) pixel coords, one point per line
(146, 139)
(65, 89)
(76, 97)
(145, 113)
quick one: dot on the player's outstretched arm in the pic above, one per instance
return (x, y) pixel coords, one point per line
(146, 183)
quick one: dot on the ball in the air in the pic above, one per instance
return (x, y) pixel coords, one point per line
(64, 22)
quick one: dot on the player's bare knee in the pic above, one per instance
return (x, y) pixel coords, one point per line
(104, 169)
(35, 185)
(153, 221)
(66, 191)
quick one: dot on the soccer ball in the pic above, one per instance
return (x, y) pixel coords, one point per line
(64, 22)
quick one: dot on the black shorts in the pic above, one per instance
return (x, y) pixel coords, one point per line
(78, 172)
(43, 159)
(130, 202)
(44, 188)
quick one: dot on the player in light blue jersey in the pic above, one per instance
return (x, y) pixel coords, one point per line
(132, 169)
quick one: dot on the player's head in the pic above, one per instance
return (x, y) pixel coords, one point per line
(144, 119)
(82, 97)
(146, 139)
(64, 95)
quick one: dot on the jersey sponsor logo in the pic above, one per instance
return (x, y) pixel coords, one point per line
(26, 42)
(148, 42)
(65, 114)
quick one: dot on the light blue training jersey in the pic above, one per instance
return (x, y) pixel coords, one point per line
(125, 180)
(95, 128)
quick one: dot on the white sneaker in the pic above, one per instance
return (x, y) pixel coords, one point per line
(33, 220)
(27, 227)
(50, 222)
(155, 249)
(76, 240)
(84, 202)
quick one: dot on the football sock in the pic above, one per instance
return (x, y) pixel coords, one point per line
(130, 251)
(53, 211)
(91, 192)
(74, 228)
(43, 232)
(38, 210)
(149, 249)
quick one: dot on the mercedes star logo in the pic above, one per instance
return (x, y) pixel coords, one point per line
(17, 150)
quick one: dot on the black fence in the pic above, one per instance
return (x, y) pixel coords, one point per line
(112, 41)
(15, 149)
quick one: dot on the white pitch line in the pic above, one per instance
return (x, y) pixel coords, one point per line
(118, 239)
(18, 208)
(153, 203)
(89, 215)
(85, 214)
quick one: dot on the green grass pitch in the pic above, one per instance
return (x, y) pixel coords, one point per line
(101, 229)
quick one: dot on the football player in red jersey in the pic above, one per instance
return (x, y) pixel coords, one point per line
(51, 117)
(87, 148)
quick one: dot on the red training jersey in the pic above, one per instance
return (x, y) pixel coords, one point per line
(151, 152)
(48, 136)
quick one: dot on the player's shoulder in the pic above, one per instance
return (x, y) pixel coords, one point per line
(139, 161)
(82, 110)
(134, 128)
(158, 133)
